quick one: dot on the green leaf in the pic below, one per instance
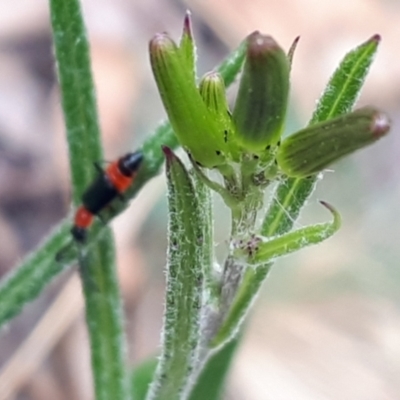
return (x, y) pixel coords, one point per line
(185, 285)
(187, 46)
(232, 65)
(104, 321)
(345, 85)
(24, 283)
(270, 249)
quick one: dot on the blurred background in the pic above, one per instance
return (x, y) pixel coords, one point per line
(327, 324)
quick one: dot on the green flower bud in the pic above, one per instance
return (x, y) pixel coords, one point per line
(189, 116)
(312, 149)
(212, 90)
(261, 103)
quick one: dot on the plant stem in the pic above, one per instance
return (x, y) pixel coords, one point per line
(97, 269)
(23, 284)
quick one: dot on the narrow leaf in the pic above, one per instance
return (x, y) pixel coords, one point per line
(77, 92)
(181, 331)
(24, 283)
(232, 65)
(187, 45)
(105, 321)
(345, 85)
(268, 250)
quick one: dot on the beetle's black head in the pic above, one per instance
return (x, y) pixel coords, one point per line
(130, 163)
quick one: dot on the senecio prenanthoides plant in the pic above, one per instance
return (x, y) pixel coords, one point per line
(238, 152)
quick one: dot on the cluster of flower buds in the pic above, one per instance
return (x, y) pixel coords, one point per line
(214, 136)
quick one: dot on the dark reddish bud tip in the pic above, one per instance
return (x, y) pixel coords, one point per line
(168, 153)
(375, 38)
(380, 125)
(312, 149)
(261, 102)
(260, 45)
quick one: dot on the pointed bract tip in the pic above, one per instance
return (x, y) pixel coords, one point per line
(328, 206)
(337, 219)
(294, 45)
(187, 24)
(296, 40)
(293, 49)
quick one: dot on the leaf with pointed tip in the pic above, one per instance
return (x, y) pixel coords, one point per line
(185, 285)
(271, 249)
(187, 46)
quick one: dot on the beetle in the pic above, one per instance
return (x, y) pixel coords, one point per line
(112, 182)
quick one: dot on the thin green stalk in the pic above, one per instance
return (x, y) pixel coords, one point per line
(104, 318)
(77, 93)
(25, 283)
(97, 269)
(249, 288)
(205, 199)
